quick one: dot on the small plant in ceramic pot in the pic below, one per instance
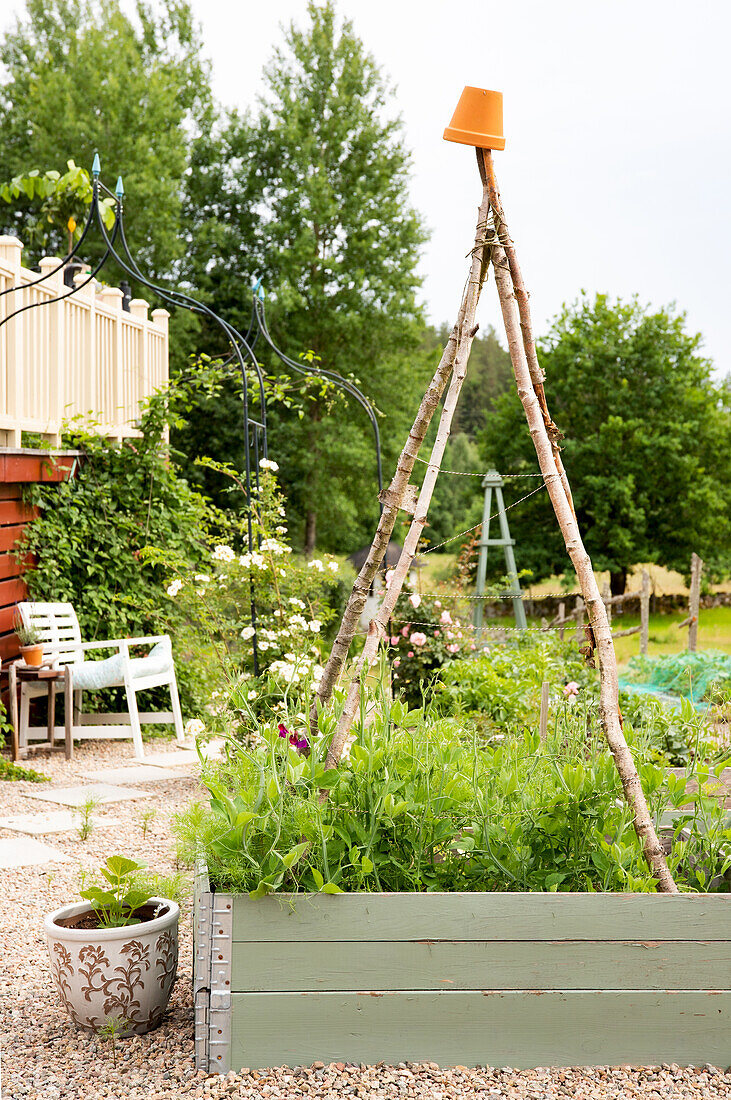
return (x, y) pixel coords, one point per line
(115, 954)
(31, 648)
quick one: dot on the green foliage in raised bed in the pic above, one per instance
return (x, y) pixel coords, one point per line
(423, 803)
(500, 689)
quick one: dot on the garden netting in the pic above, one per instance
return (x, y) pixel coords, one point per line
(700, 677)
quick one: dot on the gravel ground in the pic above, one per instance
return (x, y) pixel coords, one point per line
(44, 1057)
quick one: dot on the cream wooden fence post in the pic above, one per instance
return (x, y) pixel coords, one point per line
(57, 380)
(11, 250)
(158, 357)
(111, 297)
(160, 318)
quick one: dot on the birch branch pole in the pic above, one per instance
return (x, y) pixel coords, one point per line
(457, 350)
(465, 332)
(536, 413)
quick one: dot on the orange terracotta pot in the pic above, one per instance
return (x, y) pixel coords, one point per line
(478, 119)
(32, 654)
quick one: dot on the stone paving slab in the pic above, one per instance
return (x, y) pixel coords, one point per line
(133, 774)
(179, 759)
(56, 821)
(77, 796)
(24, 852)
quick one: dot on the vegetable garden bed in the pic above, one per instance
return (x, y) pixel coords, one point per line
(514, 979)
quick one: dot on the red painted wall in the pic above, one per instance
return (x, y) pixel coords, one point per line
(17, 469)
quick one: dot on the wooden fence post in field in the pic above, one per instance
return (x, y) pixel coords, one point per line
(543, 722)
(644, 613)
(561, 620)
(579, 615)
(546, 437)
(607, 597)
(696, 569)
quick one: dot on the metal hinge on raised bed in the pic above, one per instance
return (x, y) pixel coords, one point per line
(219, 1006)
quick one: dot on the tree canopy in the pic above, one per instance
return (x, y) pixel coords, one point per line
(311, 195)
(80, 77)
(647, 444)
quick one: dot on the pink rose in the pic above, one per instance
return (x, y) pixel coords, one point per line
(414, 599)
(417, 638)
(452, 648)
(437, 603)
(571, 689)
(436, 633)
(397, 662)
(473, 646)
(445, 618)
(394, 639)
(410, 653)
(405, 631)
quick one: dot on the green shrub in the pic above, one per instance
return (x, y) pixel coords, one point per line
(91, 532)
(501, 686)
(15, 773)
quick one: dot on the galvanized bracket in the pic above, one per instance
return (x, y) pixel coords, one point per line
(201, 1023)
(202, 920)
(219, 1007)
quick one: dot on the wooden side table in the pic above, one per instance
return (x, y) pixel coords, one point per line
(21, 673)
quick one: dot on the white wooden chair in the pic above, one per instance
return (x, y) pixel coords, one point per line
(57, 627)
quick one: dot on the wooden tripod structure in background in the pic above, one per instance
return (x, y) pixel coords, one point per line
(493, 483)
(478, 122)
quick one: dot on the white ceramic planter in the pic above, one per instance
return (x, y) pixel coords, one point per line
(108, 973)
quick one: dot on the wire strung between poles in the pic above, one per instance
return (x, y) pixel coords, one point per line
(472, 473)
(499, 596)
(515, 503)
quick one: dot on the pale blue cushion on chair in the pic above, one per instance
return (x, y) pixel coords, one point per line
(157, 661)
(88, 675)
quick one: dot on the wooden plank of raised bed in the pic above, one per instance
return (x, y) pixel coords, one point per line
(511, 964)
(495, 916)
(520, 1029)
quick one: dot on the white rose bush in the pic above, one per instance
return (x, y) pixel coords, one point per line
(265, 600)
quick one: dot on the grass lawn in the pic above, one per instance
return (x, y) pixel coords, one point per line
(714, 632)
(714, 629)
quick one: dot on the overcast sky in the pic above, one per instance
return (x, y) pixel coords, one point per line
(615, 175)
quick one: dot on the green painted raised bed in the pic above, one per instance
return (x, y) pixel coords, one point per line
(462, 979)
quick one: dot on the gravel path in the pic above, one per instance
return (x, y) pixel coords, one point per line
(44, 1057)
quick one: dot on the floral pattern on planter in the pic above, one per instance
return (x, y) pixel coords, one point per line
(120, 973)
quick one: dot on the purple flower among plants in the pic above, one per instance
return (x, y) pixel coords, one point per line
(300, 743)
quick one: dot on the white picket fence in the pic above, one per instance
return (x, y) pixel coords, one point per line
(80, 357)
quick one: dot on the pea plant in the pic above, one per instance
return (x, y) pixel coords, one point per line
(421, 801)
